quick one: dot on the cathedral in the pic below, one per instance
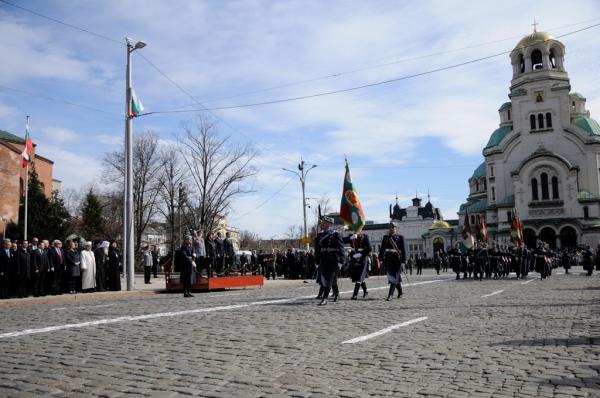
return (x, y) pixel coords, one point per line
(543, 159)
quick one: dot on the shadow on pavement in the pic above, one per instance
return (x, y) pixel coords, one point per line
(569, 341)
(592, 382)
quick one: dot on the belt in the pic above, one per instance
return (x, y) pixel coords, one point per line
(329, 250)
(390, 251)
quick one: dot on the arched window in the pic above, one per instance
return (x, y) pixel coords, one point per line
(586, 212)
(536, 60)
(573, 106)
(552, 59)
(476, 186)
(493, 194)
(548, 120)
(541, 120)
(532, 121)
(554, 187)
(521, 63)
(472, 219)
(544, 182)
(508, 114)
(485, 184)
(534, 189)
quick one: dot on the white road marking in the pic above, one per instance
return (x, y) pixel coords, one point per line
(59, 308)
(529, 281)
(81, 307)
(493, 293)
(174, 313)
(383, 331)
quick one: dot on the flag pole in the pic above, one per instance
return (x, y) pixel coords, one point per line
(26, 187)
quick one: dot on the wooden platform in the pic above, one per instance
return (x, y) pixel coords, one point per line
(219, 283)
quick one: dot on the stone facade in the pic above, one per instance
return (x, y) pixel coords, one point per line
(544, 157)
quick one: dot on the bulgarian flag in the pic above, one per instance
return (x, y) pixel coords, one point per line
(136, 105)
(467, 237)
(28, 145)
(516, 228)
(351, 211)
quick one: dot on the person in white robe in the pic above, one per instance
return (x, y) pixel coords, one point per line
(88, 269)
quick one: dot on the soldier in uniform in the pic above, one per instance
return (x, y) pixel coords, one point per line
(329, 255)
(455, 260)
(362, 248)
(539, 254)
(393, 254)
(481, 260)
(588, 264)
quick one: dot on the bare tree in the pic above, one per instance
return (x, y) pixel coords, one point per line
(294, 235)
(218, 171)
(173, 178)
(249, 240)
(147, 164)
(324, 204)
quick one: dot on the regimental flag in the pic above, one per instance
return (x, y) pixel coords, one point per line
(467, 237)
(136, 105)
(28, 145)
(483, 234)
(351, 211)
(516, 228)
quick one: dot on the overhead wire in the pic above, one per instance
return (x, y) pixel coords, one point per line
(354, 88)
(268, 199)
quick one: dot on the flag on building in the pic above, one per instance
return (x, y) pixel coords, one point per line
(483, 234)
(136, 105)
(516, 228)
(351, 211)
(467, 237)
(28, 145)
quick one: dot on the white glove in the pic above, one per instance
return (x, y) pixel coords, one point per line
(357, 255)
(353, 236)
(340, 265)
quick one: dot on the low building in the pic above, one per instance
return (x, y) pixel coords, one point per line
(12, 176)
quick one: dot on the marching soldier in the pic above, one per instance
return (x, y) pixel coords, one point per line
(539, 255)
(455, 260)
(393, 255)
(361, 247)
(329, 255)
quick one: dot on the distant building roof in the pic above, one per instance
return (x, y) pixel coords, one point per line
(440, 224)
(577, 95)
(5, 135)
(588, 124)
(498, 135)
(505, 106)
(479, 171)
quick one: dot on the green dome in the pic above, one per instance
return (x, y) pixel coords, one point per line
(498, 136)
(588, 124)
(505, 106)
(577, 96)
(479, 171)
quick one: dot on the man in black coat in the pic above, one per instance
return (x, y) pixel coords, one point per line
(228, 252)
(361, 250)
(6, 267)
(23, 269)
(220, 253)
(186, 256)
(101, 256)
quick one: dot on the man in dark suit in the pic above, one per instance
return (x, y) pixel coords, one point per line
(56, 262)
(23, 269)
(330, 255)
(229, 252)
(40, 266)
(6, 265)
(220, 252)
(393, 254)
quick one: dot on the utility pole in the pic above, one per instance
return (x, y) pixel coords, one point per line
(302, 176)
(128, 230)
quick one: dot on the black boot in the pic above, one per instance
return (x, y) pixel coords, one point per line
(325, 295)
(355, 294)
(336, 292)
(364, 288)
(320, 295)
(390, 293)
(399, 286)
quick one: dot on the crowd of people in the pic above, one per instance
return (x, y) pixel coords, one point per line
(41, 268)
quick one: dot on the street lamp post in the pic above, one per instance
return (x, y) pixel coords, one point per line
(128, 229)
(302, 175)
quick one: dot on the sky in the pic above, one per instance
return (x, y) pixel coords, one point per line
(411, 136)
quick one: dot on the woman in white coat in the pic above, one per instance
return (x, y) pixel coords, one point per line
(88, 269)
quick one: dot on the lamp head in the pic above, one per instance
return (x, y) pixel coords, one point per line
(140, 44)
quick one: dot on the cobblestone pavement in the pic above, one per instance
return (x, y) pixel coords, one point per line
(529, 338)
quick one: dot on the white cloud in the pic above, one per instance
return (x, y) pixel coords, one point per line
(59, 134)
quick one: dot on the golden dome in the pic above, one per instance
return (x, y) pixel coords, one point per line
(440, 224)
(534, 38)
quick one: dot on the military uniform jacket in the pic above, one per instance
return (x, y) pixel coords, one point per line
(358, 264)
(388, 252)
(329, 248)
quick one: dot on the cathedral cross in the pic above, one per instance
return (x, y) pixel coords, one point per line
(535, 24)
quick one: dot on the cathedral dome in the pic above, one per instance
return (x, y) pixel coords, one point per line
(440, 224)
(534, 38)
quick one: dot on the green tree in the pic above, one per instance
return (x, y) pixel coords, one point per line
(92, 221)
(59, 219)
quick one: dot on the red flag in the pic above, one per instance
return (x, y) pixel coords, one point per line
(516, 229)
(483, 234)
(467, 240)
(350, 208)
